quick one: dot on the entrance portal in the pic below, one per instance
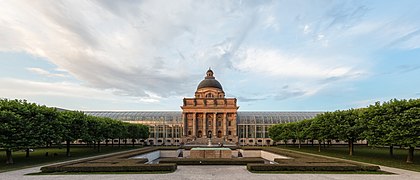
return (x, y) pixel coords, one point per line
(209, 134)
(219, 134)
(200, 134)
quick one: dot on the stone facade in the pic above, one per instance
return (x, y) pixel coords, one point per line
(209, 114)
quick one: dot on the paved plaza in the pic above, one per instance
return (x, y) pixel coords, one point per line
(213, 172)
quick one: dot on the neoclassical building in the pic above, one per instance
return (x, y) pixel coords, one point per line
(210, 114)
(207, 115)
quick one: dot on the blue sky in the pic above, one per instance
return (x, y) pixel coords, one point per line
(148, 55)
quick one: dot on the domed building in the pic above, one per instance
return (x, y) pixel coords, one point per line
(209, 115)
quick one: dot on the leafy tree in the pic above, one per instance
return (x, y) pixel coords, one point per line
(29, 134)
(321, 128)
(137, 131)
(75, 127)
(11, 132)
(348, 127)
(274, 132)
(302, 130)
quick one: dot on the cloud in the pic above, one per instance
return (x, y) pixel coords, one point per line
(155, 50)
(45, 73)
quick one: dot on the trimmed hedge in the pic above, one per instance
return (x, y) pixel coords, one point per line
(212, 161)
(105, 162)
(139, 168)
(283, 167)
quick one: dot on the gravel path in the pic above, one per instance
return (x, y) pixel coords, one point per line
(212, 172)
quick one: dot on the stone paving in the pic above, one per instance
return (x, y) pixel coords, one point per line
(213, 172)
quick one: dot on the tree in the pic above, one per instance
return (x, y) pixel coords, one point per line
(10, 132)
(75, 127)
(137, 131)
(321, 128)
(302, 130)
(348, 127)
(29, 118)
(274, 132)
(393, 123)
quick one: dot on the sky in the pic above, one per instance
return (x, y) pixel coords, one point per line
(148, 55)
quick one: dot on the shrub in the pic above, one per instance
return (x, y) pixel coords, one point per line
(212, 161)
(95, 168)
(282, 167)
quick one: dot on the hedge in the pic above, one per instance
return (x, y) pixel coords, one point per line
(212, 161)
(106, 161)
(282, 167)
(138, 168)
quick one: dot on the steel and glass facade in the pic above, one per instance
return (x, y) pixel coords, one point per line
(166, 127)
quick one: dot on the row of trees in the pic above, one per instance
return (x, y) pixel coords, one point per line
(25, 125)
(396, 122)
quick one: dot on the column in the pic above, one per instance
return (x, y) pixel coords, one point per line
(224, 125)
(214, 125)
(184, 119)
(172, 133)
(194, 125)
(204, 125)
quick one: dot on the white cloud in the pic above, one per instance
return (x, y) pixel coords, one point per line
(45, 72)
(276, 63)
(155, 50)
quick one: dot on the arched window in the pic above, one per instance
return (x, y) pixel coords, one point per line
(209, 95)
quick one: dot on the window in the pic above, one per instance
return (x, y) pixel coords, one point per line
(229, 123)
(209, 95)
(230, 133)
(189, 132)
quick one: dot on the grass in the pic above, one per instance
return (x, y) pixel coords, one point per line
(38, 158)
(379, 156)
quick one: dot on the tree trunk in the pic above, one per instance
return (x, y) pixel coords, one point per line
(319, 146)
(410, 155)
(27, 152)
(126, 142)
(112, 142)
(351, 149)
(299, 143)
(119, 142)
(324, 144)
(391, 150)
(9, 159)
(99, 146)
(312, 142)
(68, 148)
(132, 142)
(106, 142)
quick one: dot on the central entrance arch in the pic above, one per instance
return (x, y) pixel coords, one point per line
(219, 134)
(200, 134)
(209, 134)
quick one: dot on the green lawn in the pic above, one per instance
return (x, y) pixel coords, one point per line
(366, 154)
(38, 156)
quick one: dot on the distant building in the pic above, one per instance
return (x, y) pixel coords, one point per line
(209, 115)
